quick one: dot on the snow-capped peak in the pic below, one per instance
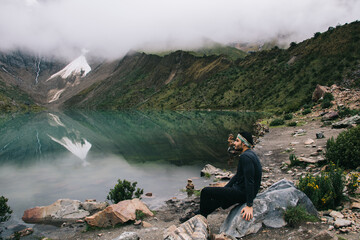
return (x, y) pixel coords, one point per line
(78, 67)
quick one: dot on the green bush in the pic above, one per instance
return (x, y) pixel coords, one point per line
(353, 184)
(324, 190)
(346, 112)
(277, 122)
(5, 211)
(345, 150)
(326, 104)
(292, 124)
(306, 111)
(124, 190)
(288, 116)
(294, 216)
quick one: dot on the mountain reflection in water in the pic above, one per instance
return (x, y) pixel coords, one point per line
(80, 155)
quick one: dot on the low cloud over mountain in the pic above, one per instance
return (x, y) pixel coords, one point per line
(110, 28)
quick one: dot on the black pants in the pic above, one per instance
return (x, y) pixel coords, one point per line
(212, 198)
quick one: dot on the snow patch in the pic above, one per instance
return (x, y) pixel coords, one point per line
(78, 67)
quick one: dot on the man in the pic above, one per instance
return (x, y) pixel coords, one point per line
(242, 188)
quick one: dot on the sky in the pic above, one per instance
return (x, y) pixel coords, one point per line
(111, 28)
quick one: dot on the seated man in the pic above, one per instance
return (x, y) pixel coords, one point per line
(242, 188)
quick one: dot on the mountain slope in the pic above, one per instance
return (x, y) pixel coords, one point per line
(277, 79)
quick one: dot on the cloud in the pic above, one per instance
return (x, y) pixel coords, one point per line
(110, 28)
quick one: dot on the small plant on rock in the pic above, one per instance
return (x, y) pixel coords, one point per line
(294, 216)
(5, 211)
(124, 190)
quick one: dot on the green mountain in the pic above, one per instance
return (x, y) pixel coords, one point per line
(13, 99)
(273, 80)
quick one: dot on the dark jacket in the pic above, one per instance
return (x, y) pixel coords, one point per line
(248, 176)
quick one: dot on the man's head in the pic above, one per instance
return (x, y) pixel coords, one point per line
(243, 141)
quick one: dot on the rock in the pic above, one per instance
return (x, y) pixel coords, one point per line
(310, 160)
(269, 207)
(320, 135)
(93, 206)
(319, 92)
(22, 233)
(309, 141)
(314, 154)
(62, 210)
(323, 235)
(190, 185)
(221, 236)
(330, 116)
(355, 205)
(336, 214)
(128, 236)
(342, 223)
(146, 224)
(196, 228)
(217, 172)
(149, 194)
(118, 213)
(347, 122)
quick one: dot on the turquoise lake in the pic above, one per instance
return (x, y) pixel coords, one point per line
(80, 155)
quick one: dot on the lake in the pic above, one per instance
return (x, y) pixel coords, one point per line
(81, 154)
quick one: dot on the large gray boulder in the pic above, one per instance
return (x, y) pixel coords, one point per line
(347, 122)
(269, 208)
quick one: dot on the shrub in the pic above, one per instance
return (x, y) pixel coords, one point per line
(345, 150)
(292, 124)
(353, 183)
(297, 215)
(288, 116)
(326, 104)
(325, 190)
(294, 161)
(306, 111)
(346, 112)
(5, 211)
(124, 190)
(277, 122)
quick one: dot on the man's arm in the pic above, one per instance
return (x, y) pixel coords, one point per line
(249, 177)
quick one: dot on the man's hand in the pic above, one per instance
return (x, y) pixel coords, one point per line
(248, 213)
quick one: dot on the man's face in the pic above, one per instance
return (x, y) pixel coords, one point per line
(238, 144)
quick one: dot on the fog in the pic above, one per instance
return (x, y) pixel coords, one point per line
(110, 28)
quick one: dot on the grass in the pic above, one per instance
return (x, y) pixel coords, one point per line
(295, 216)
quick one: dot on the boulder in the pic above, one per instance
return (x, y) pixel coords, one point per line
(310, 160)
(340, 222)
(217, 172)
(121, 212)
(269, 208)
(330, 116)
(347, 122)
(63, 210)
(93, 207)
(196, 228)
(319, 92)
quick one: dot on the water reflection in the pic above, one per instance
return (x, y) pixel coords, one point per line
(79, 155)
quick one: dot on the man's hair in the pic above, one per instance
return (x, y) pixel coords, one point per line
(248, 137)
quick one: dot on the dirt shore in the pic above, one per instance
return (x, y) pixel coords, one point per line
(273, 149)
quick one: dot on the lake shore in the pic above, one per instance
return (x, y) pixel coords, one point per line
(273, 149)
